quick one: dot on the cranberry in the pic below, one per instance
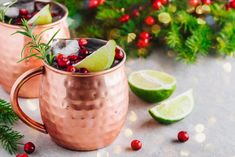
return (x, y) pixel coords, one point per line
(124, 18)
(64, 62)
(136, 145)
(29, 148)
(136, 13)
(164, 2)
(183, 136)
(232, 4)
(144, 35)
(22, 155)
(142, 43)
(18, 21)
(83, 52)
(73, 57)
(82, 42)
(24, 12)
(118, 54)
(157, 4)
(59, 56)
(149, 20)
(83, 70)
(207, 2)
(71, 69)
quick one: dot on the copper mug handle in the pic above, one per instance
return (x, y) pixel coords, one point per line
(15, 103)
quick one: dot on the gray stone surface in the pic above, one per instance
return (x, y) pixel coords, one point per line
(211, 125)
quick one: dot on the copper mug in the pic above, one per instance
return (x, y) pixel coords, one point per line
(79, 112)
(11, 47)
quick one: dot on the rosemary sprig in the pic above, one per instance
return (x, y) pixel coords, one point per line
(3, 10)
(36, 47)
(9, 138)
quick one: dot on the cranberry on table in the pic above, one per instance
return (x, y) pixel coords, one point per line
(144, 35)
(136, 145)
(118, 54)
(183, 136)
(82, 42)
(29, 148)
(71, 69)
(23, 12)
(22, 155)
(149, 20)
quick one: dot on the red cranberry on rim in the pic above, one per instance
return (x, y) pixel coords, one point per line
(24, 12)
(73, 57)
(83, 52)
(64, 62)
(83, 70)
(59, 56)
(71, 69)
(118, 54)
(82, 42)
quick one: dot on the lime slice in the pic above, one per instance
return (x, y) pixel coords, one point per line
(173, 110)
(99, 60)
(152, 86)
(42, 17)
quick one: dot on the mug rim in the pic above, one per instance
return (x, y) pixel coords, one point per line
(92, 73)
(46, 25)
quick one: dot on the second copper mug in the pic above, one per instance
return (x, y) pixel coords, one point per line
(80, 112)
(11, 47)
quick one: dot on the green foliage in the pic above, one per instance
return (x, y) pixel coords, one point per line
(37, 48)
(9, 139)
(7, 116)
(188, 33)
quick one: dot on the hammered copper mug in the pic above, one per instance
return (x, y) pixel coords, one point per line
(10, 52)
(79, 111)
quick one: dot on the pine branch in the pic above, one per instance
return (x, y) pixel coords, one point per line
(7, 116)
(9, 138)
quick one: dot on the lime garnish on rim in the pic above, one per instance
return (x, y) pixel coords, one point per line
(100, 59)
(42, 17)
(175, 109)
(152, 86)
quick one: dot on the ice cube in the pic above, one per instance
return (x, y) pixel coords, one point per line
(12, 12)
(66, 47)
(25, 4)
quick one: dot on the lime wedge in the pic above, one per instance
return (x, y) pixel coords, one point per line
(152, 86)
(173, 110)
(99, 60)
(42, 17)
